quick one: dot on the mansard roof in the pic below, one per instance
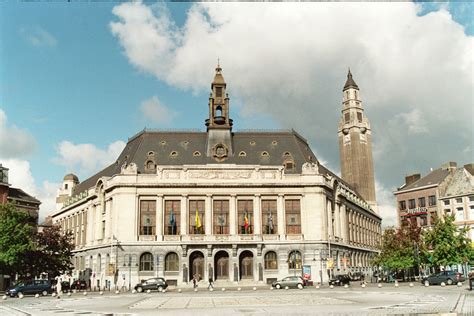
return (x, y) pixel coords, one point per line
(19, 194)
(175, 148)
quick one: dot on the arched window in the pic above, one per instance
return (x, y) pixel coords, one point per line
(171, 262)
(146, 262)
(294, 260)
(99, 263)
(271, 262)
(219, 111)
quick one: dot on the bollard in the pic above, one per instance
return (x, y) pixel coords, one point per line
(254, 288)
(411, 284)
(53, 294)
(20, 295)
(331, 286)
(396, 283)
(317, 286)
(37, 295)
(271, 288)
(117, 291)
(68, 293)
(238, 289)
(443, 284)
(459, 284)
(195, 290)
(164, 291)
(223, 289)
(85, 293)
(286, 287)
(363, 285)
(4, 297)
(134, 291)
(346, 286)
(149, 291)
(101, 293)
(379, 285)
(211, 289)
(179, 290)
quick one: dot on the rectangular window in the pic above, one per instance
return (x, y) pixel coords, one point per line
(424, 220)
(459, 200)
(411, 204)
(433, 217)
(172, 223)
(421, 202)
(471, 198)
(347, 117)
(245, 217)
(103, 229)
(446, 202)
(471, 213)
(403, 205)
(147, 217)
(293, 216)
(196, 217)
(220, 217)
(359, 117)
(432, 200)
(269, 217)
(219, 92)
(459, 214)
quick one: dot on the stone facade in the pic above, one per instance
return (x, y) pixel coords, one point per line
(252, 208)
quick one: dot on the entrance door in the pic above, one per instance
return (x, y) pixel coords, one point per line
(221, 265)
(196, 262)
(246, 265)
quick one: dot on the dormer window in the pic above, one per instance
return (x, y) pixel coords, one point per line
(197, 154)
(174, 154)
(242, 154)
(65, 186)
(252, 143)
(265, 154)
(151, 153)
(274, 143)
(286, 154)
(289, 164)
(163, 142)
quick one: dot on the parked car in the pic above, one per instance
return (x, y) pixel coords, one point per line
(30, 287)
(151, 284)
(357, 276)
(448, 277)
(340, 279)
(78, 285)
(290, 281)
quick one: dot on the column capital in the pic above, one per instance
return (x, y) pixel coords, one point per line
(209, 195)
(257, 195)
(159, 195)
(281, 194)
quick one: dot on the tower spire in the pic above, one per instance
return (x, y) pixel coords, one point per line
(350, 83)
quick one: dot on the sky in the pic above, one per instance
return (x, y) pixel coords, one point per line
(77, 79)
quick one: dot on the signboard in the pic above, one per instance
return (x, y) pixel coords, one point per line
(306, 272)
(330, 264)
(111, 269)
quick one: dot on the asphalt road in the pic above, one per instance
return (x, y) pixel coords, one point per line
(355, 300)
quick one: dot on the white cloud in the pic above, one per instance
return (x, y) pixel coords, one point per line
(83, 159)
(386, 203)
(14, 141)
(37, 36)
(289, 61)
(20, 176)
(155, 111)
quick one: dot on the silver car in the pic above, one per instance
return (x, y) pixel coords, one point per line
(290, 281)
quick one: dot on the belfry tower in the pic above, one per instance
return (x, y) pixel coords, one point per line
(219, 125)
(355, 144)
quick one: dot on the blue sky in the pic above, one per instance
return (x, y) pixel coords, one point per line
(66, 76)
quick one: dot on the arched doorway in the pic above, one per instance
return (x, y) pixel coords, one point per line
(196, 264)
(221, 265)
(246, 265)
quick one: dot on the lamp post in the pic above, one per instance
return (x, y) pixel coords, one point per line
(130, 259)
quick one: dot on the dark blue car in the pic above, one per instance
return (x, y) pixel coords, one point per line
(30, 287)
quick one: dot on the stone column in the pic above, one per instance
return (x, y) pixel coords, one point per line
(208, 215)
(159, 217)
(257, 215)
(281, 216)
(343, 223)
(329, 217)
(232, 214)
(338, 220)
(184, 214)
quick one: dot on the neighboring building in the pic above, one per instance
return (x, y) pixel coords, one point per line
(23, 201)
(446, 190)
(355, 144)
(458, 198)
(233, 206)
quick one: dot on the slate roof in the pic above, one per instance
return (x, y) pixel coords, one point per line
(462, 183)
(19, 194)
(185, 144)
(434, 177)
(350, 83)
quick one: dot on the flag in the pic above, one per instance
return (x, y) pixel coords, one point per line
(246, 221)
(270, 223)
(172, 222)
(198, 220)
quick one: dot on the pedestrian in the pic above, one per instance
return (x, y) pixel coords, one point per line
(210, 286)
(59, 288)
(194, 281)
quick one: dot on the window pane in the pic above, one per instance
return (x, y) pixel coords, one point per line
(432, 200)
(245, 217)
(147, 217)
(221, 217)
(172, 262)
(411, 203)
(294, 260)
(293, 216)
(421, 202)
(271, 262)
(196, 217)
(146, 262)
(269, 217)
(172, 217)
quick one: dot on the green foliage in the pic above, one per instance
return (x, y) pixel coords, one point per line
(16, 239)
(27, 253)
(447, 244)
(400, 247)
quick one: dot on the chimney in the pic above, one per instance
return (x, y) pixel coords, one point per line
(449, 165)
(470, 168)
(412, 178)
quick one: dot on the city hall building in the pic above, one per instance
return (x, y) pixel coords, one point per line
(246, 207)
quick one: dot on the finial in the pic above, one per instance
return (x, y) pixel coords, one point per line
(349, 72)
(218, 68)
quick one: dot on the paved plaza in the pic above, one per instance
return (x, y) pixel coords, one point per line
(355, 300)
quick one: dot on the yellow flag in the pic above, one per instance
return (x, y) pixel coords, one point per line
(198, 220)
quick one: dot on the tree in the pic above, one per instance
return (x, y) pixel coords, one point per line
(400, 247)
(447, 243)
(16, 239)
(52, 253)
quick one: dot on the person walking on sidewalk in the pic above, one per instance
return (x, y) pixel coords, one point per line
(194, 281)
(210, 286)
(59, 288)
